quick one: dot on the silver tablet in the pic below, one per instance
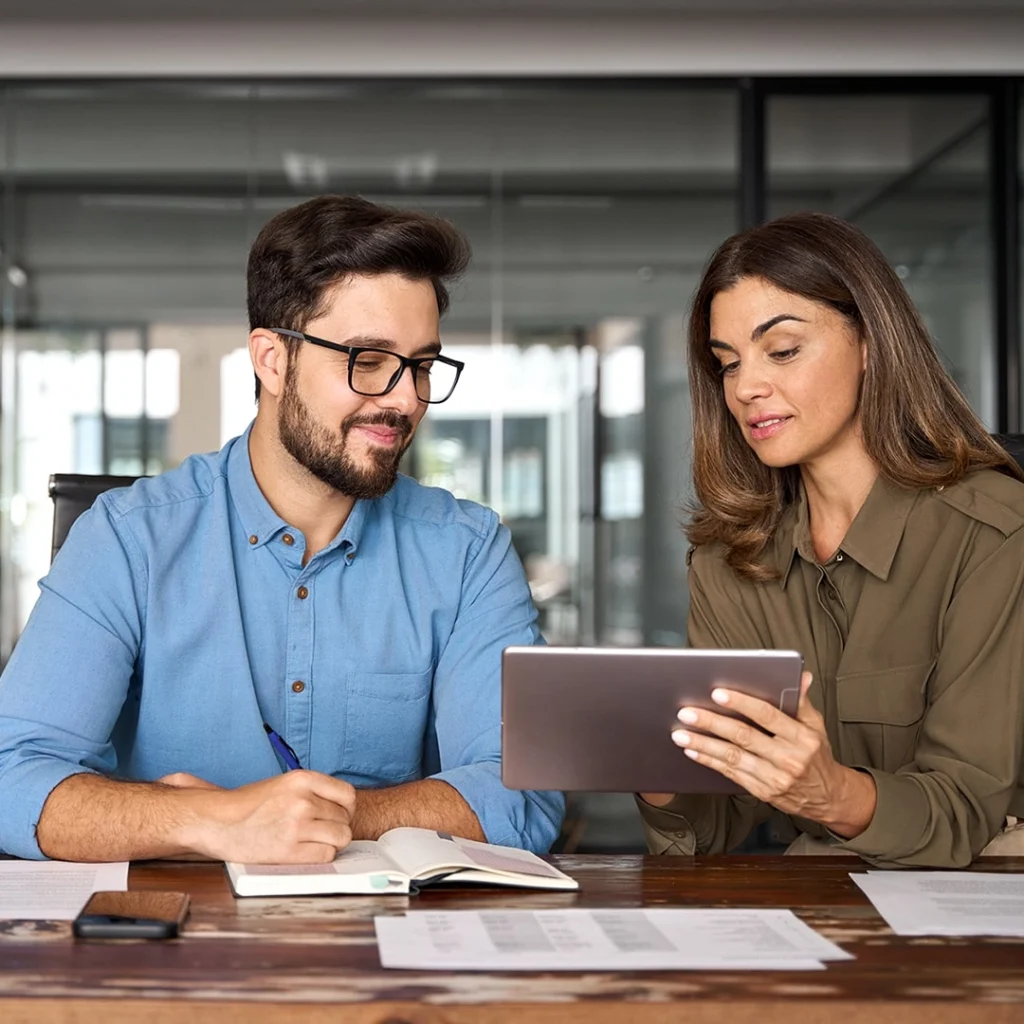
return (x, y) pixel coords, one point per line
(601, 718)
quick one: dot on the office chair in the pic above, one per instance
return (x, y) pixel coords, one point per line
(1014, 444)
(72, 494)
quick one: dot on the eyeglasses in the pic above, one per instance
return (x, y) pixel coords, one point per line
(376, 371)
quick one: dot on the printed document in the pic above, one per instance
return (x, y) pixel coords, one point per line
(32, 890)
(947, 902)
(608, 940)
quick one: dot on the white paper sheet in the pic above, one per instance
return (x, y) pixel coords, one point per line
(947, 902)
(33, 890)
(612, 940)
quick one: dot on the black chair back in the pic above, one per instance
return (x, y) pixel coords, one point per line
(1014, 444)
(72, 494)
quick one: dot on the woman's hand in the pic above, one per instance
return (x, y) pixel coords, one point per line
(792, 768)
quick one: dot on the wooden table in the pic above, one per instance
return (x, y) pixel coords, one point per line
(316, 959)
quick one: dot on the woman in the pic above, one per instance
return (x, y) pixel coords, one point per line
(852, 507)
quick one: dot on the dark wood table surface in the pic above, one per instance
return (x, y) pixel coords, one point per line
(315, 959)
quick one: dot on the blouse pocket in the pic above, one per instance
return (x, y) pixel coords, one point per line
(880, 714)
(386, 718)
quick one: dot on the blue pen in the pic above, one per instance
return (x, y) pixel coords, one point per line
(291, 762)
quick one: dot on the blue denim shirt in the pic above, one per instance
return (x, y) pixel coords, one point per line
(178, 618)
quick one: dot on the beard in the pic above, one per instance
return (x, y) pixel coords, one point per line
(329, 458)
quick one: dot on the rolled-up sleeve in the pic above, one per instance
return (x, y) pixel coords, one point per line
(495, 612)
(65, 684)
(693, 824)
(949, 801)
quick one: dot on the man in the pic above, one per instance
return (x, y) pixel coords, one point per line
(289, 601)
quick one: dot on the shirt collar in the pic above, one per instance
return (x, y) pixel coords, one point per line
(875, 533)
(259, 520)
(873, 537)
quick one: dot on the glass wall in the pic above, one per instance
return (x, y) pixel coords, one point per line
(126, 218)
(126, 213)
(915, 173)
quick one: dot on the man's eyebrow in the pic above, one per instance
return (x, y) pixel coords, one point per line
(365, 341)
(762, 329)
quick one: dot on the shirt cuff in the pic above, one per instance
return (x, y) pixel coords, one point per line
(666, 829)
(31, 782)
(527, 819)
(901, 816)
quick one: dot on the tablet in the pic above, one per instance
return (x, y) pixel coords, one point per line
(601, 718)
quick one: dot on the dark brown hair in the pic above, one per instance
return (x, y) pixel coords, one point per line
(916, 424)
(303, 250)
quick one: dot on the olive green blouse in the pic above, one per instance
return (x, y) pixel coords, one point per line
(914, 631)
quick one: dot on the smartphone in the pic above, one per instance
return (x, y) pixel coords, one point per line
(131, 915)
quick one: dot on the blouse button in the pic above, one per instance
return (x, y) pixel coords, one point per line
(253, 539)
(298, 686)
(288, 539)
(302, 593)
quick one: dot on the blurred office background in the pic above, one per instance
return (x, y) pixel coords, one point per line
(129, 197)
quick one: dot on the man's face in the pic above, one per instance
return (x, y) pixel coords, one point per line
(354, 442)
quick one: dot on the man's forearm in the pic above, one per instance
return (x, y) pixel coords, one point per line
(429, 803)
(92, 818)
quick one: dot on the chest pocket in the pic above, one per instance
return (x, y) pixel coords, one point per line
(880, 714)
(386, 717)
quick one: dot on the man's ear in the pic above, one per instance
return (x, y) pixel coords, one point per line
(269, 356)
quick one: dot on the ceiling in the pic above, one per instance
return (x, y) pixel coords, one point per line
(252, 10)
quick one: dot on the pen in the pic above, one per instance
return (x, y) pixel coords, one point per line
(285, 752)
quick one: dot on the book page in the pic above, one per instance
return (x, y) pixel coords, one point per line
(505, 858)
(362, 857)
(421, 852)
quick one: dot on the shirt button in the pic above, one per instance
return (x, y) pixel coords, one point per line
(839, 557)
(288, 539)
(253, 539)
(302, 593)
(298, 686)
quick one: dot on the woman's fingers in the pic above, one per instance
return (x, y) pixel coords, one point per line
(757, 777)
(766, 715)
(734, 730)
(729, 754)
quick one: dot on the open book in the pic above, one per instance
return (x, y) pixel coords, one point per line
(399, 859)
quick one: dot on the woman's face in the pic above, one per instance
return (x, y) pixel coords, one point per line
(791, 372)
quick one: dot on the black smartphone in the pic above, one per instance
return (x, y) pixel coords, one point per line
(131, 915)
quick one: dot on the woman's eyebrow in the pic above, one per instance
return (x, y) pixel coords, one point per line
(762, 329)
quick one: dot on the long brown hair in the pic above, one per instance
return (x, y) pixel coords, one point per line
(915, 422)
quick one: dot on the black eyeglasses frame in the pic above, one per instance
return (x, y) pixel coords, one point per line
(352, 351)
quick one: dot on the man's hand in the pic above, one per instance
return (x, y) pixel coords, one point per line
(792, 767)
(301, 817)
